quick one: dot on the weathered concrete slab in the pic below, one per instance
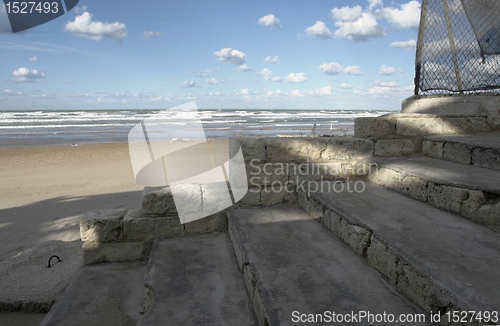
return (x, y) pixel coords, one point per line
(292, 264)
(99, 252)
(195, 281)
(28, 285)
(103, 225)
(470, 191)
(478, 149)
(444, 172)
(105, 294)
(441, 261)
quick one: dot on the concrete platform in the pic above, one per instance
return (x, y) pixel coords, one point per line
(101, 294)
(27, 285)
(293, 266)
(441, 261)
(443, 172)
(195, 281)
(470, 191)
(478, 149)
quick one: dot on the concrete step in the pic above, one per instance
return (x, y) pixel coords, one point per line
(28, 285)
(441, 261)
(416, 125)
(471, 191)
(195, 281)
(101, 294)
(478, 149)
(295, 269)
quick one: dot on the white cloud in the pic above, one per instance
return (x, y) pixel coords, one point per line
(406, 17)
(243, 68)
(410, 45)
(275, 93)
(189, 84)
(270, 59)
(296, 78)
(151, 34)
(361, 29)
(83, 26)
(33, 59)
(24, 75)
(387, 71)
(319, 30)
(331, 68)
(245, 91)
(323, 91)
(386, 84)
(212, 81)
(276, 79)
(265, 72)
(79, 10)
(353, 70)
(334, 68)
(347, 13)
(374, 3)
(202, 75)
(345, 86)
(269, 21)
(70, 82)
(360, 25)
(14, 93)
(229, 55)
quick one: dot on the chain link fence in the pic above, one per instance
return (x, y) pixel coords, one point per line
(458, 48)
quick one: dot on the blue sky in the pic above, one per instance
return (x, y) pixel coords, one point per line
(222, 54)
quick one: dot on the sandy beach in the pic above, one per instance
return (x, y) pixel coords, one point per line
(45, 190)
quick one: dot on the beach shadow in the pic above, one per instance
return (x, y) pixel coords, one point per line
(54, 219)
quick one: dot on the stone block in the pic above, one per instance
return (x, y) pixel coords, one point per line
(418, 289)
(450, 198)
(265, 174)
(275, 194)
(482, 208)
(413, 126)
(251, 199)
(394, 147)
(158, 201)
(375, 126)
(188, 201)
(332, 221)
(387, 178)
(103, 225)
(214, 223)
(252, 148)
(285, 150)
(98, 252)
(383, 259)
(457, 152)
(348, 148)
(137, 228)
(436, 125)
(357, 237)
(486, 157)
(415, 188)
(216, 197)
(303, 200)
(466, 125)
(433, 148)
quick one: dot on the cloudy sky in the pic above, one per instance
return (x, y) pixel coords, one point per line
(222, 53)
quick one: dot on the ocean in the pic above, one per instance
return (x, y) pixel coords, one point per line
(34, 128)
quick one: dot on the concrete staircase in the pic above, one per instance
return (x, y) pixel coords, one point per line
(420, 239)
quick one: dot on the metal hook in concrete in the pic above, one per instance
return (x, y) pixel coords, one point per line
(58, 260)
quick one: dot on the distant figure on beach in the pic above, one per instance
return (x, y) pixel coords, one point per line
(313, 131)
